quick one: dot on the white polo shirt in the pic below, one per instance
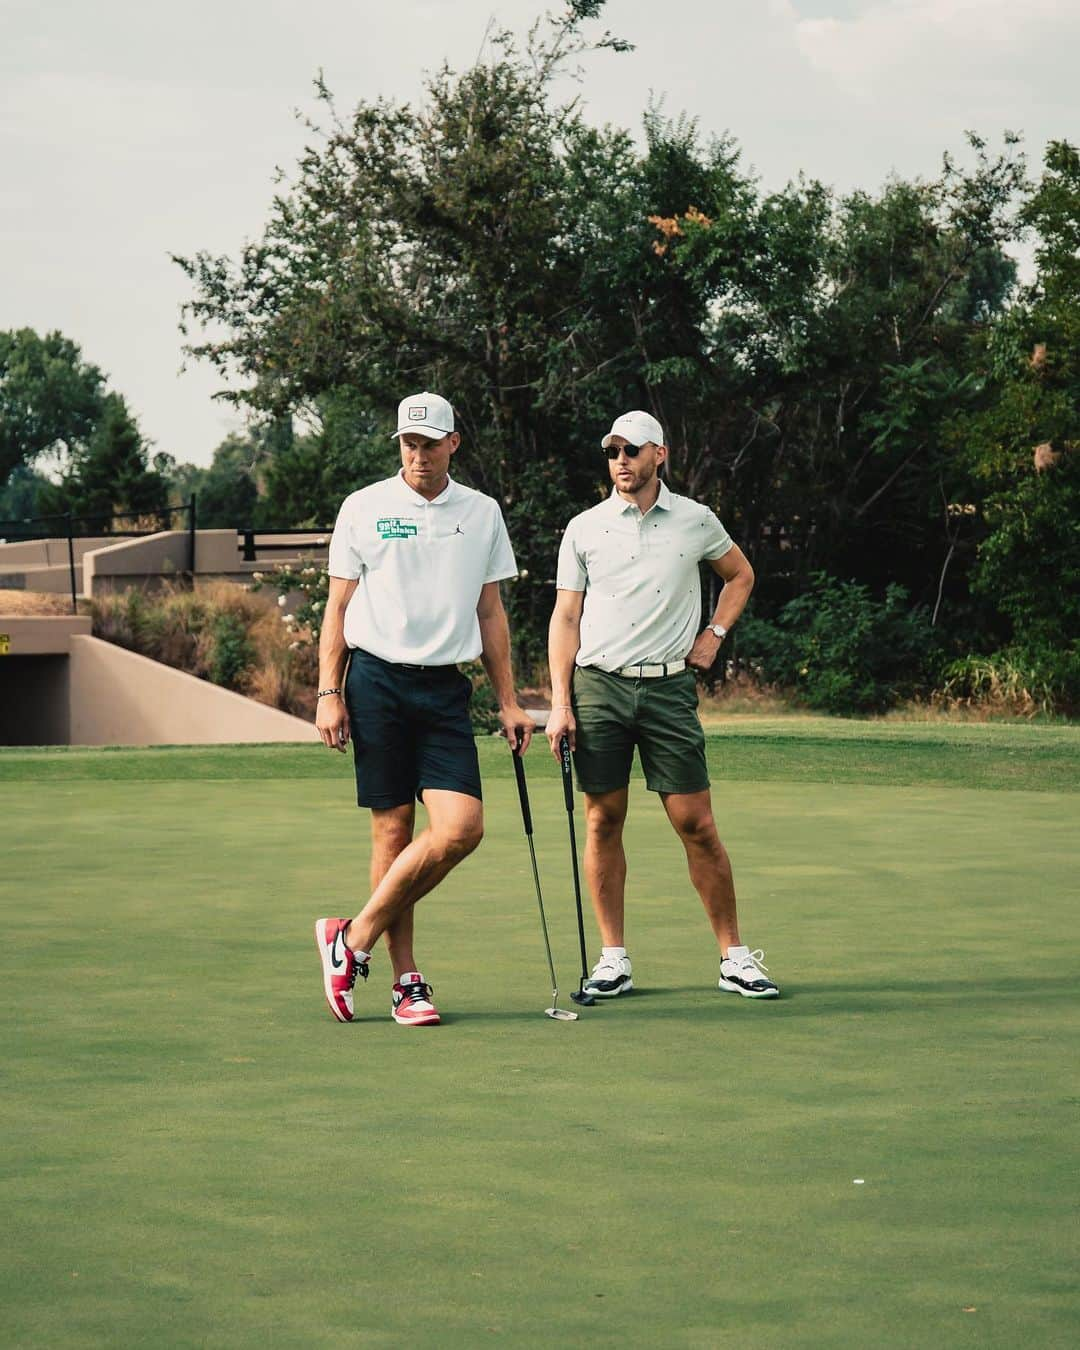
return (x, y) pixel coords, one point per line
(420, 566)
(640, 577)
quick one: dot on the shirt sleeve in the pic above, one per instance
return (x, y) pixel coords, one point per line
(345, 560)
(716, 541)
(501, 562)
(572, 574)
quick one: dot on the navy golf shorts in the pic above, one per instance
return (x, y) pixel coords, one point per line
(410, 730)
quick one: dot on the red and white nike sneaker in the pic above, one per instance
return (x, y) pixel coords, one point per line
(412, 1005)
(340, 966)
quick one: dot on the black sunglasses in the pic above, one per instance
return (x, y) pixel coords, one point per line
(632, 451)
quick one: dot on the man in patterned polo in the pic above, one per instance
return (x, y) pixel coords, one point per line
(623, 645)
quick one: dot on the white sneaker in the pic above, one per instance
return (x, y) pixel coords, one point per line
(742, 972)
(610, 976)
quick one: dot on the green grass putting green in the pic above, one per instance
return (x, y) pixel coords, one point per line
(198, 1155)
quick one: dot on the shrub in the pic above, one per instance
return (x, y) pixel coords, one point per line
(309, 585)
(218, 631)
(1017, 680)
(231, 652)
(841, 650)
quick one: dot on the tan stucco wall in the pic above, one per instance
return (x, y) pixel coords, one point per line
(153, 555)
(45, 635)
(121, 698)
(107, 563)
(219, 552)
(48, 551)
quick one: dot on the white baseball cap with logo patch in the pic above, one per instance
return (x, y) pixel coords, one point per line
(426, 413)
(637, 428)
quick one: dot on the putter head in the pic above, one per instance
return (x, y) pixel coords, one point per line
(561, 1014)
(580, 996)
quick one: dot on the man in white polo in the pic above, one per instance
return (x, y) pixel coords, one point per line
(622, 646)
(415, 565)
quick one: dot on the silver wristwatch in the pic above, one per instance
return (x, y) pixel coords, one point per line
(718, 629)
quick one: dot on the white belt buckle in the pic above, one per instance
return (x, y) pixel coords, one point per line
(652, 670)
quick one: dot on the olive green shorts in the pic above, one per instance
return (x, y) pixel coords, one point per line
(616, 712)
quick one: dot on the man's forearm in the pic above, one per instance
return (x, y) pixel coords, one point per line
(732, 601)
(333, 650)
(495, 655)
(564, 640)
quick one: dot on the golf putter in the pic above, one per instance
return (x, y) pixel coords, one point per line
(579, 996)
(559, 1014)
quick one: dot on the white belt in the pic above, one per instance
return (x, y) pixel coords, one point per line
(646, 672)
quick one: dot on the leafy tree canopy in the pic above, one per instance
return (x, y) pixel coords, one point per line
(812, 356)
(50, 398)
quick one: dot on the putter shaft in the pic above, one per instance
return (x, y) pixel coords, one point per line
(559, 1014)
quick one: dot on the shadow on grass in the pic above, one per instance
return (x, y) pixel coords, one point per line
(691, 1003)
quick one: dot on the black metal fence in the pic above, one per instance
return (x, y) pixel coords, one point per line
(70, 526)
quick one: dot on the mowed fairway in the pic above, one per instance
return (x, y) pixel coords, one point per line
(196, 1154)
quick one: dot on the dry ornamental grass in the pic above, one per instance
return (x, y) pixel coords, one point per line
(37, 604)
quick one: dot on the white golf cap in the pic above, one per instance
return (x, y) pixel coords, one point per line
(637, 428)
(426, 413)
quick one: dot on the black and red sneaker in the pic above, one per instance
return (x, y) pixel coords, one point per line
(412, 1005)
(340, 966)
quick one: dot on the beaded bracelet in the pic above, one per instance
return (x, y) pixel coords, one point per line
(323, 692)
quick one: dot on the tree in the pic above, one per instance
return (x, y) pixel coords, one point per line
(834, 344)
(803, 351)
(50, 398)
(19, 496)
(1020, 449)
(227, 490)
(442, 246)
(110, 473)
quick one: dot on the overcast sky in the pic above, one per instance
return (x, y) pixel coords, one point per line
(131, 129)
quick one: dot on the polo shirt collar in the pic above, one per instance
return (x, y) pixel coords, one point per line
(663, 500)
(447, 494)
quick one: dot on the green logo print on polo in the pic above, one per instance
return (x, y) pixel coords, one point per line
(394, 527)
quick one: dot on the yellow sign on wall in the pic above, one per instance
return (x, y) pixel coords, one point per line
(5, 644)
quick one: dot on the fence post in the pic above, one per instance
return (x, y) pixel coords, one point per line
(191, 539)
(71, 562)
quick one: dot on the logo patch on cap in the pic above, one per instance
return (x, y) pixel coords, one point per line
(417, 414)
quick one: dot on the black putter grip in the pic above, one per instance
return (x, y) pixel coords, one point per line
(523, 791)
(567, 779)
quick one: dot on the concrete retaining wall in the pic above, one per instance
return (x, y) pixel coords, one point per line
(40, 635)
(109, 564)
(121, 698)
(48, 552)
(131, 561)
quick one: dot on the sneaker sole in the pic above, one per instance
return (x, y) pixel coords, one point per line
(431, 1020)
(328, 970)
(624, 988)
(749, 993)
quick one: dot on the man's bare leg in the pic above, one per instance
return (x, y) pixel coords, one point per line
(391, 834)
(455, 827)
(710, 867)
(605, 861)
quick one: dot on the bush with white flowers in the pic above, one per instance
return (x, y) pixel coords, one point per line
(312, 583)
